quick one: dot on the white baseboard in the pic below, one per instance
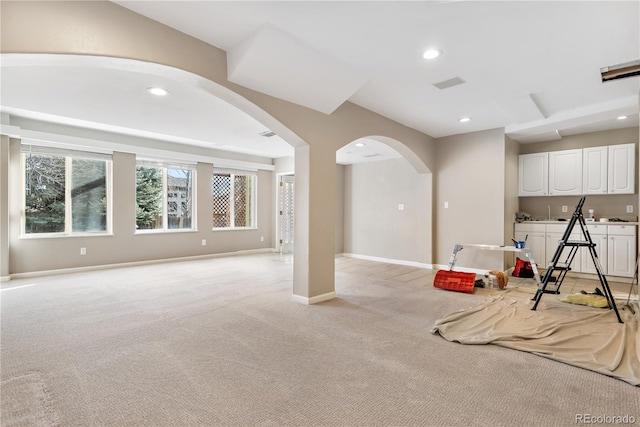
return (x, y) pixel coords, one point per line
(5, 278)
(314, 300)
(135, 263)
(388, 260)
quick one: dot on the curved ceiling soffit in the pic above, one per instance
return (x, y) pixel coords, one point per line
(177, 74)
(406, 152)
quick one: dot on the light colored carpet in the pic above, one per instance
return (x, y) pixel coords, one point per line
(28, 401)
(220, 342)
(591, 338)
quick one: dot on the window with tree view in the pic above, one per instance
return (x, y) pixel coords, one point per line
(65, 192)
(233, 200)
(164, 197)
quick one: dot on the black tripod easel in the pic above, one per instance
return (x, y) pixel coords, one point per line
(563, 267)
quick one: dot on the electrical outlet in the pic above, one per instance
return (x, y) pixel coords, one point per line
(446, 205)
(204, 242)
(262, 238)
(629, 208)
(83, 251)
(564, 208)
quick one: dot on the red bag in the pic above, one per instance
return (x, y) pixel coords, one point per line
(455, 281)
(522, 269)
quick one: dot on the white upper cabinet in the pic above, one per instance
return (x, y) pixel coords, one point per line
(594, 170)
(621, 174)
(565, 172)
(533, 171)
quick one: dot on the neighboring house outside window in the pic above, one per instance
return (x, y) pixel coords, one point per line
(165, 196)
(234, 195)
(66, 192)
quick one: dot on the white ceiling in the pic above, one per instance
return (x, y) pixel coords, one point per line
(528, 66)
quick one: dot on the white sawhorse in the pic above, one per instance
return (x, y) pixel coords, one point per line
(525, 251)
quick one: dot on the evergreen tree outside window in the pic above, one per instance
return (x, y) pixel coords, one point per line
(233, 199)
(88, 195)
(164, 197)
(149, 212)
(65, 192)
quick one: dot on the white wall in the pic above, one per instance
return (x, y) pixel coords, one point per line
(510, 193)
(470, 178)
(373, 224)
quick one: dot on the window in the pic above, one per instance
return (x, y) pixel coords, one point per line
(164, 196)
(65, 192)
(233, 199)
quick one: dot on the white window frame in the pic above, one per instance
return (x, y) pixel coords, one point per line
(253, 195)
(46, 150)
(165, 165)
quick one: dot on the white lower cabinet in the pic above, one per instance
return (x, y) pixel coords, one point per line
(535, 236)
(553, 236)
(621, 250)
(599, 236)
(615, 246)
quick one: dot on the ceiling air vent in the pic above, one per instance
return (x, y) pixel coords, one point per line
(267, 134)
(449, 83)
(620, 71)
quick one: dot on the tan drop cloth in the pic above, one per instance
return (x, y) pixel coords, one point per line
(591, 338)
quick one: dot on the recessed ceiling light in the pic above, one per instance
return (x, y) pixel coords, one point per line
(157, 91)
(622, 117)
(464, 119)
(360, 144)
(431, 53)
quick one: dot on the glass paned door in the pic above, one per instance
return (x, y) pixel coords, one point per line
(286, 213)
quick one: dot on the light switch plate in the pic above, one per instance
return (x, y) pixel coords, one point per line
(629, 208)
